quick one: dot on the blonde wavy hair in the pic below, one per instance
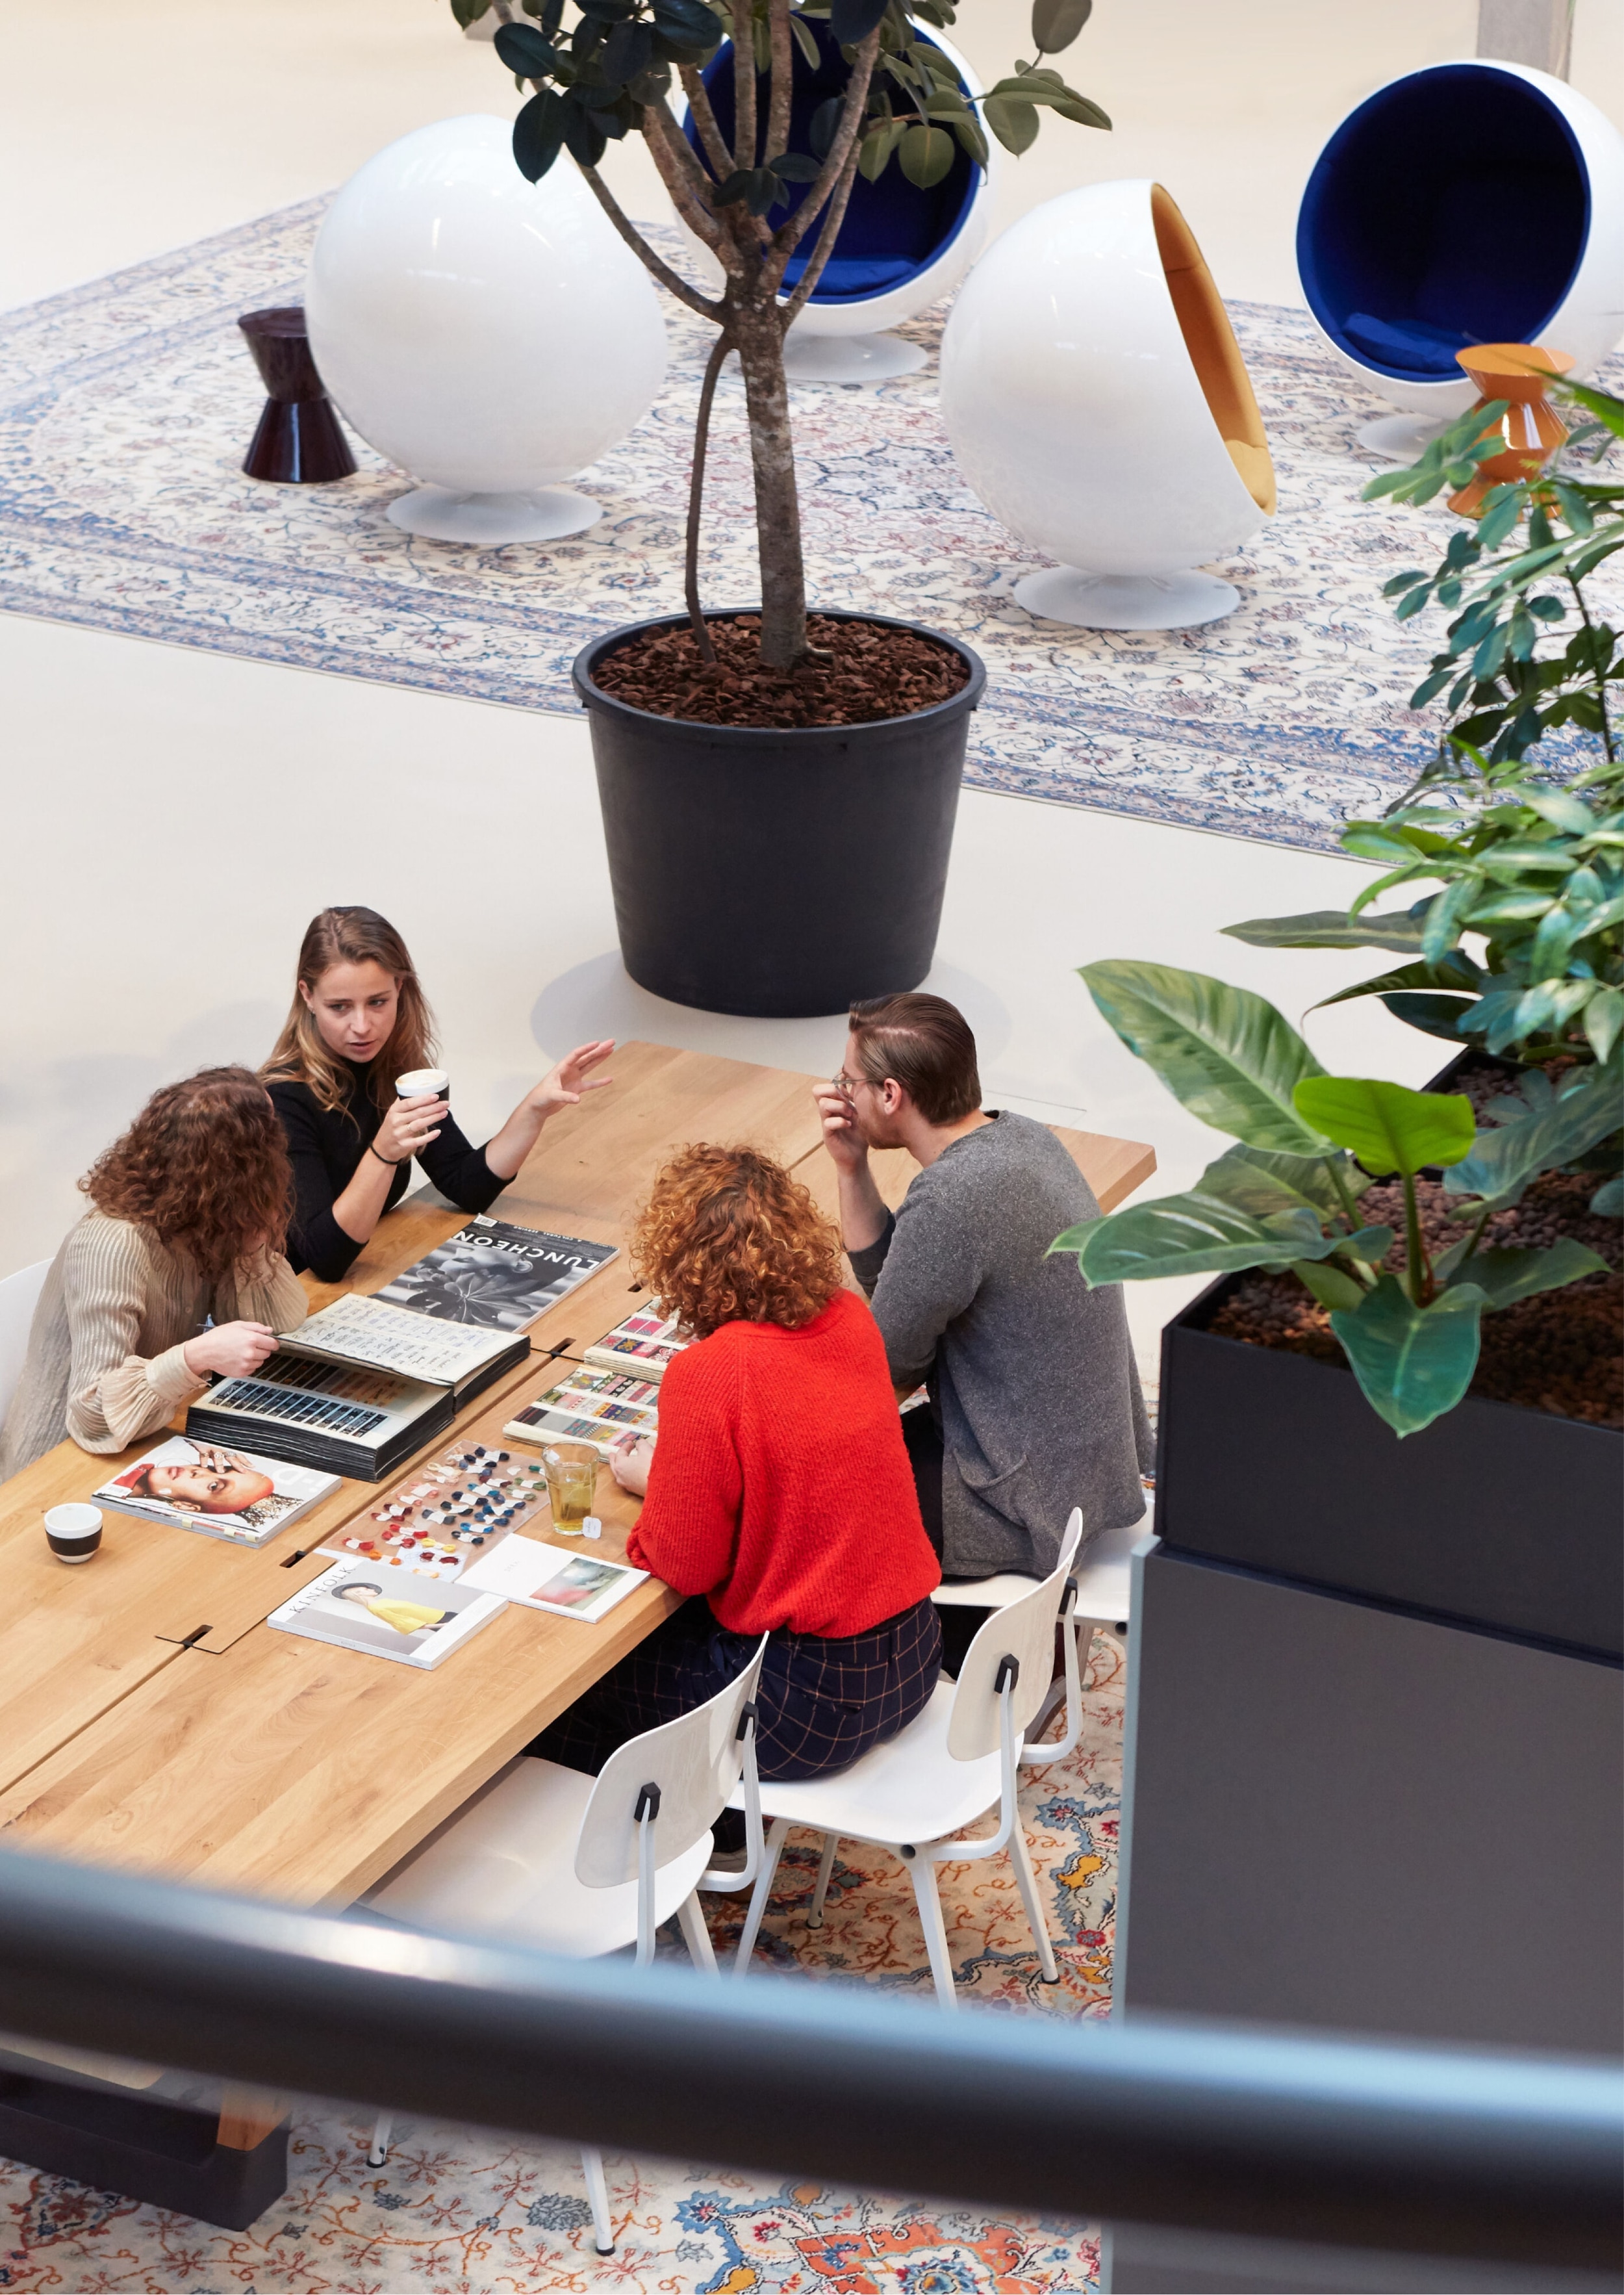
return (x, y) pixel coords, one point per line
(351, 935)
(728, 1236)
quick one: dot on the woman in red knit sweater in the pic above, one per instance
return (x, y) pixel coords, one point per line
(779, 1494)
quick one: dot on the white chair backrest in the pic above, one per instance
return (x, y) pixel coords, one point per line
(19, 1297)
(693, 1763)
(1024, 1630)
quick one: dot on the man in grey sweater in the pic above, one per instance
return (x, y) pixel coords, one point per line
(1034, 1396)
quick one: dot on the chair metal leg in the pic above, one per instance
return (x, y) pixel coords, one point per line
(922, 1872)
(597, 2197)
(1026, 1880)
(381, 2131)
(826, 1866)
(777, 1835)
(697, 1937)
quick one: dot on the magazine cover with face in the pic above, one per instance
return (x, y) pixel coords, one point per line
(361, 1606)
(494, 1273)
(224, 1493)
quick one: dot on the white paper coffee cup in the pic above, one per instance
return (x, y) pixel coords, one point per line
(73, 1531)
(420, 1081)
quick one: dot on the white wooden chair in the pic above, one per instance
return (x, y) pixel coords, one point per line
(957, 1759)
(587, 1865)
(1102, 1602)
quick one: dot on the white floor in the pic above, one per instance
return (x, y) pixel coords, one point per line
(173, 818)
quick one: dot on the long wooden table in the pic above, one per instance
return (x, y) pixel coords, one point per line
(150, 1719)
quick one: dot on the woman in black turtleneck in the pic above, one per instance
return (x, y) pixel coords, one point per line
(359, 1020)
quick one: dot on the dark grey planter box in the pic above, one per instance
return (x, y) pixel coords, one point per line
(1491, 1516)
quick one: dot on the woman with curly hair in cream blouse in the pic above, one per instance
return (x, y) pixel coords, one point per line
(189, 1210)
(778, 1494)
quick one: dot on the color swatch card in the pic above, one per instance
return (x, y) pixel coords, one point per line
(463, 1502)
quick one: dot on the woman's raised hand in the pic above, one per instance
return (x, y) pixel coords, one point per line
(629, 1463)
(233, 1350)
(408, 1127)
(563, 1085)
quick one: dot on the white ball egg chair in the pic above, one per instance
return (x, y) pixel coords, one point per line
(899, 248)
(488, 335)
(1473, 202)
(1097, 402)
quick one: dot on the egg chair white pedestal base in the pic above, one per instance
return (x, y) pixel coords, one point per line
(1126, 601)
(444, 515)
(849, 358)
(1402, 438)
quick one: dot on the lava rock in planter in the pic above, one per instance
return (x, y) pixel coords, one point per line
(778, 874)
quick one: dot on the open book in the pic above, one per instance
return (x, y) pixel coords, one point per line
(224, 1493)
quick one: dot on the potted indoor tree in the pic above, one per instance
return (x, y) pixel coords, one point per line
(778, 787)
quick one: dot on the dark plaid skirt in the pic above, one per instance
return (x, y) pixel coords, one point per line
(823, 1702)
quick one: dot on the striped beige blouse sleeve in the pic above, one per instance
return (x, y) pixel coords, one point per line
(272, 1295)
(116, 1395)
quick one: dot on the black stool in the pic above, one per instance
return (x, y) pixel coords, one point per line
(298, 442)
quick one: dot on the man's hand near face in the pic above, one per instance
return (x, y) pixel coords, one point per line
(862, 1211)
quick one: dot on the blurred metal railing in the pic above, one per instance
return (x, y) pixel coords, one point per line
(1454, 2152)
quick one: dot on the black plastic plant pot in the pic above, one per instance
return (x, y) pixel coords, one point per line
(776, 874)
(1492, 1516)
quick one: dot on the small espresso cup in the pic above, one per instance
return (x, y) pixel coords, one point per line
(73, 1533)
(421, 1081)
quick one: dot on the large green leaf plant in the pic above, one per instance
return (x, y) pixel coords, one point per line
(1524, 858)
(1285, 1198)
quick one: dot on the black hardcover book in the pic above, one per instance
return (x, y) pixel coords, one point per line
(495, 1274)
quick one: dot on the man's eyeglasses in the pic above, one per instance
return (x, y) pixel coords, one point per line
(846, 1085)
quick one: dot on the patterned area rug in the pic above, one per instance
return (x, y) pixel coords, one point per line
(465, 2213)
(126, 407)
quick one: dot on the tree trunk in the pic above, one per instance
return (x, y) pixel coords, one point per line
(755, 326)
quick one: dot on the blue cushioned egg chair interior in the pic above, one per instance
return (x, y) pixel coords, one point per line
(1452, 208)
(894, 252)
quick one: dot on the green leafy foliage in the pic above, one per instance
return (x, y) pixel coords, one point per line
(1226, 1054)
(1332, 929)
(1388, 1127)
(1410, 1334)
(1412, 1363)
(1505, 1277)
(1056, 23)
(1539, 1130)
(1531, 862)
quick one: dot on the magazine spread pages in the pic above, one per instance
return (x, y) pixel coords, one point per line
(224, 1493)
(545, 1578)
(357, 1606)
(495, 1274)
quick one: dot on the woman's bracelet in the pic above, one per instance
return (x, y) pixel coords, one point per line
(389, 1163)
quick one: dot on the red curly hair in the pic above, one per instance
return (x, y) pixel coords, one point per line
(728, 1236)
(205, 1167)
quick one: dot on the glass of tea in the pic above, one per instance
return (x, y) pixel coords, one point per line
(572, 1477)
